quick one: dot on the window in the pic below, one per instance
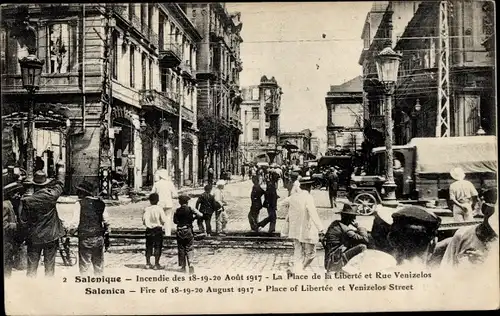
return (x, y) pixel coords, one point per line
(114, 55)
(3, 52)
(161, 33)
(59, 48)
(150, 74)
(255, 94)
(255, 113)
(255, 134)
(132, 66)
(165, 80)
(144, 71)
(131, 10)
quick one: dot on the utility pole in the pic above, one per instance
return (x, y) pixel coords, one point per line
(106, 151)
(443, 111)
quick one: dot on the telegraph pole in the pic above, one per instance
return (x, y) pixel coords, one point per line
(106, 144)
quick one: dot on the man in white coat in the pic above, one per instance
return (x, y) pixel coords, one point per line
(167, 192)
(303, 225)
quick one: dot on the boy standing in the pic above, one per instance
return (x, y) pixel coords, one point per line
(154, 219)
(91, 220)
(206, 205)
(220, 213)
(183, 218)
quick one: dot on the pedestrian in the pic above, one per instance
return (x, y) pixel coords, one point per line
(344, 239)
(243, 172)
(303, 226)
(221, 217)
(166, 191)
(210, 175)
(333, 185)
(184, 217)
(463, 196)
(271, 203)
(41, 222)
(206, 206)
(473, 244)
(91, 220)
(9, 237)
(256, 204)
(154, 219)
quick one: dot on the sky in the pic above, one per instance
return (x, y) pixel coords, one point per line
(285, 40)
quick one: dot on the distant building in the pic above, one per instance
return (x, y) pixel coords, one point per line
(344, 105)
(297, 146)
(260, 113)
(315, 146)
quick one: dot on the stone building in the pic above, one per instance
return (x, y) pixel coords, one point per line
(219, 65)
(467, 95)
(152, 63)
(344, 105)
(260, 116)
(297, 146)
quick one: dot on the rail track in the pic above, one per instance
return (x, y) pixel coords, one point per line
(131, 239)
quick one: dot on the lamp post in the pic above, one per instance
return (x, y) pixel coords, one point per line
(31, 70)
(387, 69)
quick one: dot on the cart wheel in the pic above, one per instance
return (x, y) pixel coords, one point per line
(366, 203)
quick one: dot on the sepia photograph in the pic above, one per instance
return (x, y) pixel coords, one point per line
(249, 157)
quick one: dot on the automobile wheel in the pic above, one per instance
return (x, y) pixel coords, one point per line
(366, 203)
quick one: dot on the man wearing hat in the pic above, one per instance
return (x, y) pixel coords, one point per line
(344, 239)
(303, 225)
(91, 220)
(41, 222)
(463, 196)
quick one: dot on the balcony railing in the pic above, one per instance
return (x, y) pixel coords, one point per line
(159, 100)
(188, 114)
(171, 55)
(135, 21)
(187, 70)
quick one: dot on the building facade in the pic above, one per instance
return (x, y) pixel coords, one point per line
(297, 146)
(442, 90)
(149, 72)
(345, 110)
(219, 65)
(260, 116)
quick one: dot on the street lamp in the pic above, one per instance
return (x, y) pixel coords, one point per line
(387, 69)
(31, 70)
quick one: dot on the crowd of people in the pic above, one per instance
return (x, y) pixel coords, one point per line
(403, 235)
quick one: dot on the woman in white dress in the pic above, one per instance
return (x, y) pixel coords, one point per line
(167, 192)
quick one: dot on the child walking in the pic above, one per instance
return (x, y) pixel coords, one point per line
(154, 219)
(184, 217)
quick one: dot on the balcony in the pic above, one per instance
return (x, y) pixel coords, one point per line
(188, 115)
(159, 100)
(170, 56)
(215, 31)
(187, 71)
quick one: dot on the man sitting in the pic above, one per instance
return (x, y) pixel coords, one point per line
(344, 239)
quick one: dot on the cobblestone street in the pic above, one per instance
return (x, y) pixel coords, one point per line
(238, 198)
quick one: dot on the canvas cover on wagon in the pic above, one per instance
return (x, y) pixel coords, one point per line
(474, 154)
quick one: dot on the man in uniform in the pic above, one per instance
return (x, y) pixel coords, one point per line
(333, 185)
